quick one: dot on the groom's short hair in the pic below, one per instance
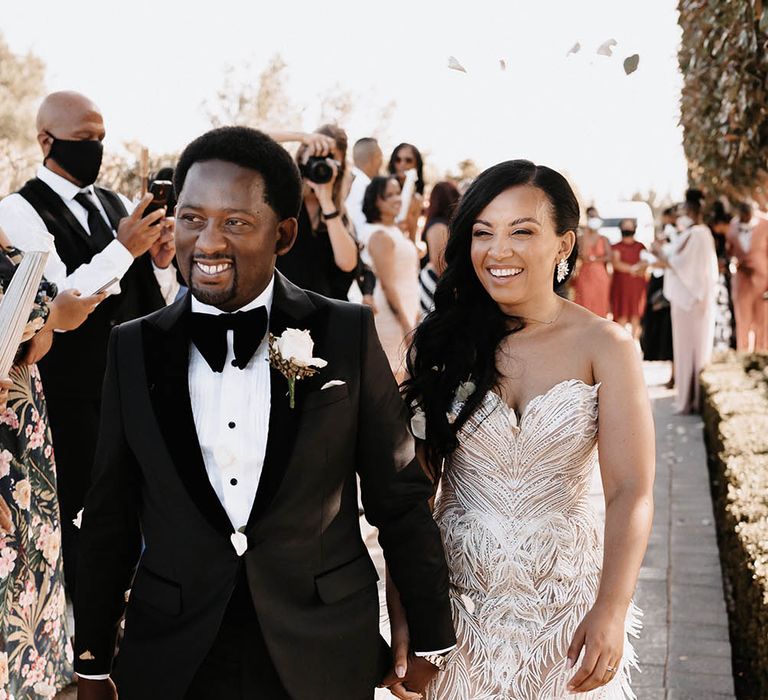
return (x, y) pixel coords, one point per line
(250, 149)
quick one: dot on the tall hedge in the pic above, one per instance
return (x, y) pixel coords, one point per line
(724, 105)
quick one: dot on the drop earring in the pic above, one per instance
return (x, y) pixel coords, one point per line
(562, 270)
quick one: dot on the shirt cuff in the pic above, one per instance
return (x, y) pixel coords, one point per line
(97, 677)
(167, 281)
(432, 653)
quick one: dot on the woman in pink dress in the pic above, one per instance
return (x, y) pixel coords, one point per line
(628, 288)
(593, 282)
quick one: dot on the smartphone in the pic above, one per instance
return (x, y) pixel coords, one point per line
(105, 287)
(162, 196)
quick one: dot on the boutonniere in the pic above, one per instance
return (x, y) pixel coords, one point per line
(291, 355)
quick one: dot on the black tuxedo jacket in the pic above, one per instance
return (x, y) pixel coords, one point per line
(310, 577)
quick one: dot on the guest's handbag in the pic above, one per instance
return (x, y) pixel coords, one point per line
(16, 305)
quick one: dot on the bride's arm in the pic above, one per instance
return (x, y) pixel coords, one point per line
(398, 624)
(626, 445)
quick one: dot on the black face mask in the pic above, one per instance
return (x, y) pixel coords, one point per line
(81, 159)
(627, 232)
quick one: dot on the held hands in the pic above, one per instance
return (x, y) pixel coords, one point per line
(138, 233)
(164, 249)
(601, 635)
(410, 674)
(96, 690)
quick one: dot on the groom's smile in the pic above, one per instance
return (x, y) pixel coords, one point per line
(227, 235)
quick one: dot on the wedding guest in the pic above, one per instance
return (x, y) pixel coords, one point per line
(34, 639)
(442, 202)
(367, 158)
(93, 240)
(325, 257)
(592, 284)
(690, 281)
(628, 283)
(720, 224)
(396, 265)
(656, 336)
(748, 241)
(407, 157)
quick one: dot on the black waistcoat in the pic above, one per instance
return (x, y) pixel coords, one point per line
(75, 366)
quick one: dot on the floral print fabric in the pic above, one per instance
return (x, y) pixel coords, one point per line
(35, 652)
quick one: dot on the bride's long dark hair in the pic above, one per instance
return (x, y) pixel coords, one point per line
(458, 340)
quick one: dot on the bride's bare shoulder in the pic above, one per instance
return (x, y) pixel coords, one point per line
(596, 334)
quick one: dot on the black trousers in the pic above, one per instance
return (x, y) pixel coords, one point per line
(238, 666)
(75, 430)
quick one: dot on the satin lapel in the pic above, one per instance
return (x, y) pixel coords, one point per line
(291, 308)
(167, 353)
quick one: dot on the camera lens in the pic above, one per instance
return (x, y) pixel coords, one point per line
(318, 170)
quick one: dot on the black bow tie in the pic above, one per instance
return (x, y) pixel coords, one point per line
(209, 334)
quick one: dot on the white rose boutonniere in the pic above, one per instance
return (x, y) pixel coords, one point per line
(291, 355)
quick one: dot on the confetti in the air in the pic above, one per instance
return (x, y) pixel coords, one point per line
(631, 63)
(453, 64)
(574, 49)
(606, 48)
(502, 64)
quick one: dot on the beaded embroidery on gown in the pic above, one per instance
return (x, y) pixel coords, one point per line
(524, 545)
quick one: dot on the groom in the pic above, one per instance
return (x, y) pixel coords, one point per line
(253, 581)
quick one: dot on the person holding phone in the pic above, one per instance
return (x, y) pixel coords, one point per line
(93, 236)
(31, 576)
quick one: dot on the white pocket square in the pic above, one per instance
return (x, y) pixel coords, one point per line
(333, 382)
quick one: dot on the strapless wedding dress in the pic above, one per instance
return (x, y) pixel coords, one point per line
(524, 544)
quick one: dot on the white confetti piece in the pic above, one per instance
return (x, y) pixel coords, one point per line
(574, 49)
(606, 48)
(78, 521)
(453, 64)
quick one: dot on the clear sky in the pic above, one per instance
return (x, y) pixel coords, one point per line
(151, 64)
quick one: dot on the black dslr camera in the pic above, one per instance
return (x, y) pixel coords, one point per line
(317, 169)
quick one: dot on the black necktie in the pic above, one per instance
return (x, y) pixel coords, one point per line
(100, 230)
(209, 334)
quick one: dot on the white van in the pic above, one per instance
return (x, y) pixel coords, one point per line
(613, 212)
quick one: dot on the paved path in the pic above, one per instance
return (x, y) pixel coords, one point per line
(684, 650)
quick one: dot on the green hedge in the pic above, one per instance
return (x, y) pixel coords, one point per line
(735, 412)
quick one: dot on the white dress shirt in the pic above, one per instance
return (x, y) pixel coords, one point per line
(231, 410)
(27, 231)
(354, 202)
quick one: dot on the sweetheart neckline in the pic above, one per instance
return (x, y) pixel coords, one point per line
(539, 397)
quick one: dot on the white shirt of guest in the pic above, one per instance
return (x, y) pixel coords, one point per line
(354, 203)
(27, 231)
(231, 411)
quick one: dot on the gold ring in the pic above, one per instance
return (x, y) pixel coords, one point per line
(610, 669)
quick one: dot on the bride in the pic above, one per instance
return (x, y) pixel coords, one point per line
(516, 392)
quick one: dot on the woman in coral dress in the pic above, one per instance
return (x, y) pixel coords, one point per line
(593, 282)
(628, 289)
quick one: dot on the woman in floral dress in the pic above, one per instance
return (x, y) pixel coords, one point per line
(35, 652)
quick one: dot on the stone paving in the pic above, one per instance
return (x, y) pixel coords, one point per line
(684, 648)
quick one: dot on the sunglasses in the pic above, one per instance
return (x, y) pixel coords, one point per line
(405, 159)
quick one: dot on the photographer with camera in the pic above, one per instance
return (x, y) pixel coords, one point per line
(325, 256)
